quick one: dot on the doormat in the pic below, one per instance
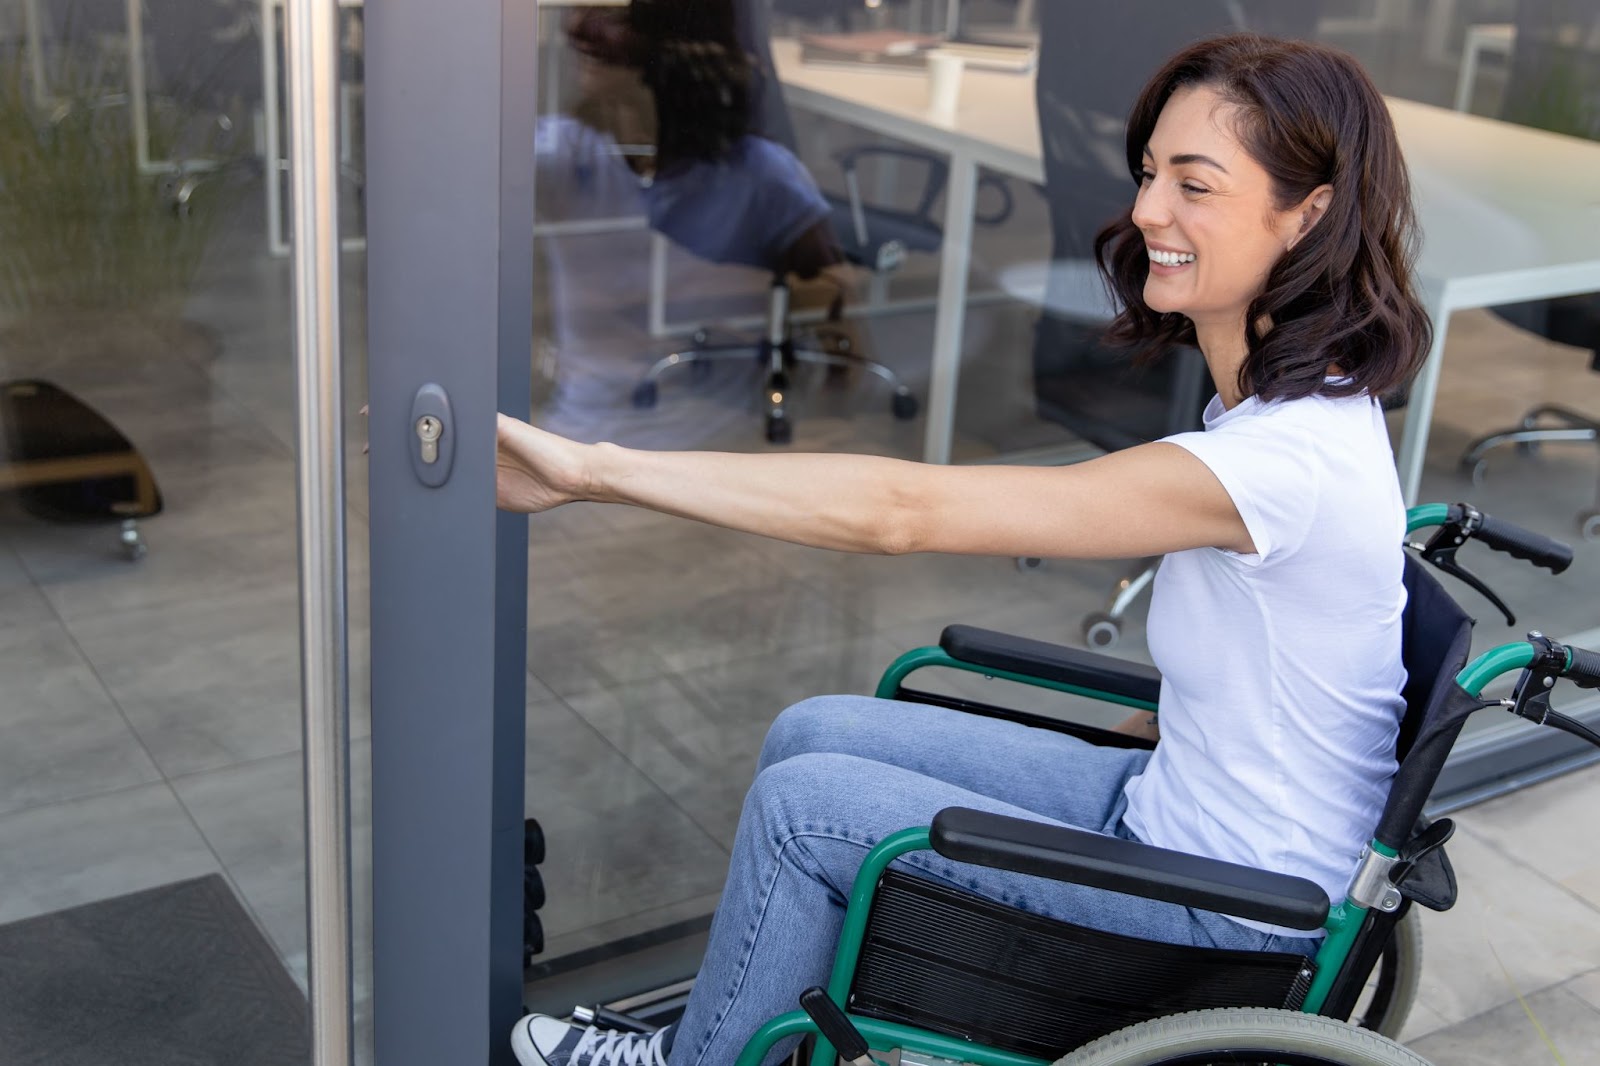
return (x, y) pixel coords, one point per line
(172, 976)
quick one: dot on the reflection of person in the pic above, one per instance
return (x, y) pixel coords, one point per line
(670, 122)
(1271, 228)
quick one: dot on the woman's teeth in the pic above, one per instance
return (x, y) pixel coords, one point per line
(1170, 258)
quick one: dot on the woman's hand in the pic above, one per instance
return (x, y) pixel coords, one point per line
(536, 470)
(1143, 725)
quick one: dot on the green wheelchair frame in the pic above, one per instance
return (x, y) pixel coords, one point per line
(1539, 660)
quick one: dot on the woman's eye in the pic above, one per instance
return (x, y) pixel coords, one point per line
(1193, 190)
(1143, 177)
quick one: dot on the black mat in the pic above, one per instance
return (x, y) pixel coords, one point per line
(172, 976)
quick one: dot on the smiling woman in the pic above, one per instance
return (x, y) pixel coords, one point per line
(1271, 227)
(1272, 192)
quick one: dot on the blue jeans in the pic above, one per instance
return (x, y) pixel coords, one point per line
(837, 774)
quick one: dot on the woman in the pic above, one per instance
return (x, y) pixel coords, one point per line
(1272, 228)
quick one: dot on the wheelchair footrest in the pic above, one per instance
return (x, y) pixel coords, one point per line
(954, 963)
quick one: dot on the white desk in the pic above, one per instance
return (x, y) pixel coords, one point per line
(1508, 213)
(995, 127)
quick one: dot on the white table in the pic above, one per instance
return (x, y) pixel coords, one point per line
(1508, 213)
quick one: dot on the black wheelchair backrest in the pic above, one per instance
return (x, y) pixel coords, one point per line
(1436, 641)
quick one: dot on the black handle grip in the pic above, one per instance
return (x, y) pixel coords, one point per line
(838, 1029)
(1520, 543)
(1584, 670)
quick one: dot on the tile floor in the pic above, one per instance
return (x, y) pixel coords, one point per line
(150, 710)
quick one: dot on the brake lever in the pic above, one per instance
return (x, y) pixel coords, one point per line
(1531, 698)
(1441, 548)
(1451, 567)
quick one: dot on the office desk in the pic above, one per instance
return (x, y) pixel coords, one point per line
(1507, 213)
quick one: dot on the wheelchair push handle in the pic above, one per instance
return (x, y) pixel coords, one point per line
(1460, 522)
(1525, 544)
(1543, 662)
(1583, 668)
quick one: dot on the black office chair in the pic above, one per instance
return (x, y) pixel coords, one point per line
(1553, 85)
(758, 207)
(729, 188)
(1084, 89)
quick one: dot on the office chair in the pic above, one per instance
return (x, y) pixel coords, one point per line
(727, 188)
(759, 207)
(1084, 89)
(1552, 86)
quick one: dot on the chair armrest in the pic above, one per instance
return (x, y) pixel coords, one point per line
(1052, 662)
(1097, 861)
(938, 172)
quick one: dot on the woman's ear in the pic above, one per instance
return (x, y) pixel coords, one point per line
(1309, 213)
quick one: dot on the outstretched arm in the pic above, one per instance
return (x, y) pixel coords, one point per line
(1148, 500)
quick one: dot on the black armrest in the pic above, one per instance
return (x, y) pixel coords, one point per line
(1084, 858)
(1051, 662)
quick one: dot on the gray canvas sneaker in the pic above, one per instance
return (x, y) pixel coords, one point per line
(540, 1040)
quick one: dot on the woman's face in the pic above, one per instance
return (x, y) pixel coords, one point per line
(1207, 213)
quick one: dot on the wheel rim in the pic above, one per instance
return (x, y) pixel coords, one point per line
(1247, 1056)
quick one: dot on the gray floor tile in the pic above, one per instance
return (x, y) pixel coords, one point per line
(206, 683)
(253, 817)
(584, 653)
(1422, 1020)
(616, 845)
(1507, 916)
(1563, 1028)
(1545, 828)
(888, 591)
(91, 849)
(22, 605)
(1587, 988)
(64, 738)
(645, 921)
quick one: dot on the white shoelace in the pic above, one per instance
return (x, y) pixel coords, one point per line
(608, 1047)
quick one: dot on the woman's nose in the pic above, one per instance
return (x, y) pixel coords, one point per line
(1150, 209)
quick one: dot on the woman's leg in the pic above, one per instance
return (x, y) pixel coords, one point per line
(807, 823)
(1048, 773)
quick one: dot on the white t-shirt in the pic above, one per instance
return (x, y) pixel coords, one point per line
(1281, 674)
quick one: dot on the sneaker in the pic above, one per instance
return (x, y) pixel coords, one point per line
(540, 1040)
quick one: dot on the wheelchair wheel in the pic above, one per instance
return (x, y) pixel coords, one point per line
(1394, 986)
(1242, 1035)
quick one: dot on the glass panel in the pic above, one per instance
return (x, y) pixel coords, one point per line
(813, 141)
(149, 653)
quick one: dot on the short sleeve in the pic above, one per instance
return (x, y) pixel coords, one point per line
(1267, 468)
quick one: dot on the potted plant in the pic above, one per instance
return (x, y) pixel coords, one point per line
(97, 259)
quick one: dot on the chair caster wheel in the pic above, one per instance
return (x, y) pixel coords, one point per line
(700, 338)
(1589, 525)
(1477, 470)
(779, 429)
(133, 545)
(1528, 447)
(904, 405)
(699, 371)
(1026, 563)
(645, 394)
(1101, 631)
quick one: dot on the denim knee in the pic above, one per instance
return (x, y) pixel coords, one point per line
(800, 728)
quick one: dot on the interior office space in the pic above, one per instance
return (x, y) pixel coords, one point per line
(149, 685)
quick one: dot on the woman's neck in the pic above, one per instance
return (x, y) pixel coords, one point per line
(1224, 348)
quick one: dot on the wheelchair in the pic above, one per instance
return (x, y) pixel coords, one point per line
(926, 975)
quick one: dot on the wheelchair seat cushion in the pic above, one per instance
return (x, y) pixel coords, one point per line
(957, 964)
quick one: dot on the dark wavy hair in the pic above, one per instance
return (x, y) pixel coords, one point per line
(699, 74)
(1310, 116)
